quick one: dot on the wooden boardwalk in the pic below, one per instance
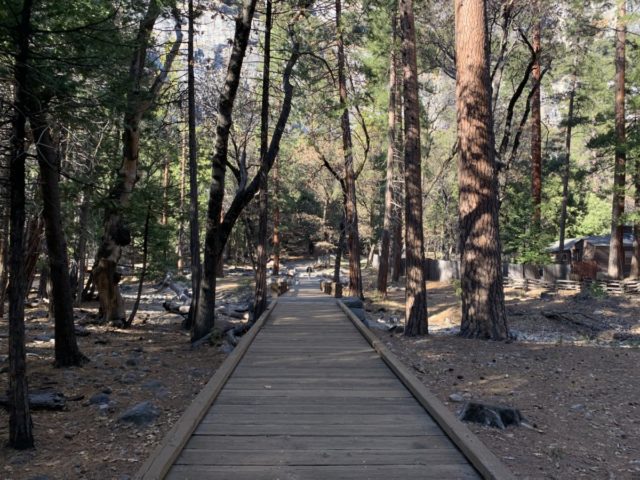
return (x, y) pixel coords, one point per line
(311, 399)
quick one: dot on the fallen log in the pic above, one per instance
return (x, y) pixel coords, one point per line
(40, 400)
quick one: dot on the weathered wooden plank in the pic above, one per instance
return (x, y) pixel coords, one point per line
(382, 402)
(292, 392)
(316, 430)
(313, 382)
(373, 472)
(435, 456)
(333, 418)
(286, 442)
(318, 408)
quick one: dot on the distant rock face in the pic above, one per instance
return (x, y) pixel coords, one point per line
(491, 415)
(140, 414)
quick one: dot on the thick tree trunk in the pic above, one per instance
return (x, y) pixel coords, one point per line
(483, 312)
(260, 304)
(194, 222)
(383, 269)
(566, 171)
(351, 217)
(214, 242)
(616, 246)
(20, 424)
(416, 291)
(536, 120)
(67, 353)
(116, 232)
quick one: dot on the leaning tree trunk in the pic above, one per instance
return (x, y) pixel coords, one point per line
(116, 234)
(351, 217)
(20, 424)
(260, 304)
(67, 353)
(616, 245)
(416, 291)
(566, 171)
(214, 244)
(383, 269)
(483, 312)
(536, 135)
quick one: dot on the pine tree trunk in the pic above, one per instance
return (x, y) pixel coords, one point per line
(183, 165)
(81, 248)
(67, 353)
(194, 229)
(20, 424)
(261, 261)
(4, 253)
(35, 229)
(214, 241)
(416, 291)
(483, 312)
(351, 220)
(383, 269)
(635, 259)
(276, 224)
(616, 246)
(566, 171)
(536, 120)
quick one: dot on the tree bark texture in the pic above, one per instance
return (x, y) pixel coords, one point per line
(483, 312)
(536, 120)
(81, 247)
(194, 223)
(260, 303)
(67, 353)
(20, 423)
(416, 290)
(116, 232)
(616, 245)
(205, 314)
(276, 223)
(351, 217)
(383, 269)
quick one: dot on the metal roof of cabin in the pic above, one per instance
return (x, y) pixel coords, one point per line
(595, 240)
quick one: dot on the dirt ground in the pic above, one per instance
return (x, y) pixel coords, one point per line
(572, 370)
(152, 361)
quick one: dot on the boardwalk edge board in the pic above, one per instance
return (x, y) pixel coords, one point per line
(161, 460)
(482, 459)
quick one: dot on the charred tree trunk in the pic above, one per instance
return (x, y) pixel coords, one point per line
(20, 424)
(351, 217)
(260, 304)
(213, 246)
(116, 232)
(67, 353)
(483, 312)
(616, 246)
(416, 291)
(566, 172)
(383, 269)
(194, 228)
(536, 135)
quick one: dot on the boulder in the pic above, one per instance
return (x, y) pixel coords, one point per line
(140, 414)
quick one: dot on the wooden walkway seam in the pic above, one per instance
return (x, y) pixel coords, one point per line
(487, 464)
(161, 460)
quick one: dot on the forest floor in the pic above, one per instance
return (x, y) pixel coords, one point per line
(150, 362)
(572, 370)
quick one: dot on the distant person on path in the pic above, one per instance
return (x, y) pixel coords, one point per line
(309, 270)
